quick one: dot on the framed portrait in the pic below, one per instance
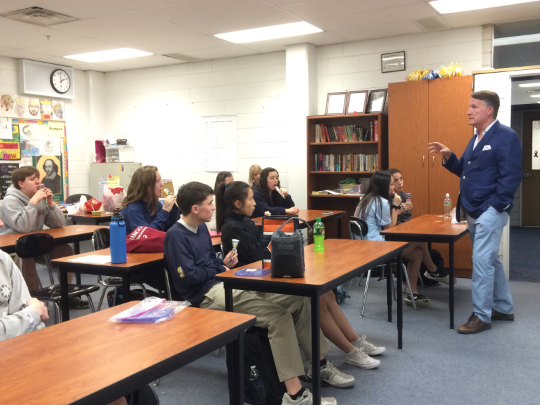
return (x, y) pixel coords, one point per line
(50, 172)
(392, 62)
(376, 101)
(336, 103)
(357, 101)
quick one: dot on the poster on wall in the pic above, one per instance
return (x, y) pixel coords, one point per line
(15, 106)
(10, 148)
(5, 128)
(6, 169)
(50, 171)
(220, 143)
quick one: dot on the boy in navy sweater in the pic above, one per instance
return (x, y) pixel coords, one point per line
(191, 260)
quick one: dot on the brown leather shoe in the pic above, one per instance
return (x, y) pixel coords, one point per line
(473, 325)
(499, 316)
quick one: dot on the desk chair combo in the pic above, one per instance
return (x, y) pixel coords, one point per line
(41, 244)
(358, 229)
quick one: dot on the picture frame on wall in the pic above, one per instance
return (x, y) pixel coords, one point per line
(357, 102)
(336, 103)
(392, 62)
(376, 101)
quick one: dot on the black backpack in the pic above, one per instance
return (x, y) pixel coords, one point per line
(438, 261)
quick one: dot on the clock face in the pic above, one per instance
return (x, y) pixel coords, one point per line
(60, 81)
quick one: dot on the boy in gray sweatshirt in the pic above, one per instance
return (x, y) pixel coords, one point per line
(26, 208)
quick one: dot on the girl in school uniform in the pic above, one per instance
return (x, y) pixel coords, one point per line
(405, 210)
(234, 206)
(222, 177)
(380, 207)
(254, 175)
(270, 199)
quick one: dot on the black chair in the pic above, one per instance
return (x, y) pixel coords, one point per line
(358, 229)
(41, 244)
(75, 198)
(101, 239)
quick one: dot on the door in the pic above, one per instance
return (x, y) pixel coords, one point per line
(530, 186)
(448, 124)
(408, 137)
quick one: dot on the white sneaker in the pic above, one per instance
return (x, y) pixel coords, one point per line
(332, 376)
(369, 348)
(306, 399)
(360, 359)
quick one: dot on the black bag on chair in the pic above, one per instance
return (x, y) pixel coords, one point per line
(288, 252)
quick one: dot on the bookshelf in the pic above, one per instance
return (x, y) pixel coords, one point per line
(322, 180)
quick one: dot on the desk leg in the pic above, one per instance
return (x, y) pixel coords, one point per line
(389, 278)
(232, 354)
(400, 301)
(339, 226)
(451, 280)
(77, 251)
(126, 288)
(315, 349)
(64, 294)
(236, 392)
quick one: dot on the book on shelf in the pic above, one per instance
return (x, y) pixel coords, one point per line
(347, 133)
(352, 162)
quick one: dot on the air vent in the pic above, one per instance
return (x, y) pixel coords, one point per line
(431, 24)
(38, 16)
(183, 58)
(532, 91)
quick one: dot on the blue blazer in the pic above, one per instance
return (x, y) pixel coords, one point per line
(490, 174)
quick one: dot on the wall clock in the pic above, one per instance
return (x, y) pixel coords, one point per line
(60, 81)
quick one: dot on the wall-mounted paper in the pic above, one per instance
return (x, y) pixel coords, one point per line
(50, 146)
(535, 164)
(5, 128)
(220, 143)
(45, 109)
(56, 129)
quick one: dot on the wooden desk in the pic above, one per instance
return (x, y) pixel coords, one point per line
(342, 260)
(216, 240)
(88, 218)
(136, 263)
(431, 228)
(310, 216)
(73, 370)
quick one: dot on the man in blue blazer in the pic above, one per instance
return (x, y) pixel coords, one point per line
(490, 170)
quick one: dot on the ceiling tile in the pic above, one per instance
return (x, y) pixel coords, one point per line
(182, 45)
(204, 9)
(72, 47)
(274, 45)
(142, 4)
(13, 5)
(7, 26)
(167, 34)
(516, 12)
(110, 24)
(244, 21)
(142, 62)
(223, 52)
(35, 37)
(283, 3)
(379, 31)
(20, 54)
(84, 9)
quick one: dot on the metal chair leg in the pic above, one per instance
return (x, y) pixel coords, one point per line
(156, 383)
(365, 293)
(404, 269)
(101, 298)
(58, 312)
(90, 303)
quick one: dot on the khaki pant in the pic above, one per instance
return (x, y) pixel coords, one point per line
(287, 318)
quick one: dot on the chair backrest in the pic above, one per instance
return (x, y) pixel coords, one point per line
(76, 198)
(172, 294)
(101, 239)
(34, 245)
(270, 224)
(357, 228)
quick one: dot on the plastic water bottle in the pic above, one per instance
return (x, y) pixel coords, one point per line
(257, 387)
(447, 207)
(118, 239)
(318, 235)
(408, 201)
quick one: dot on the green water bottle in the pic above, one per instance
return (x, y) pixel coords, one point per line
(318, 235)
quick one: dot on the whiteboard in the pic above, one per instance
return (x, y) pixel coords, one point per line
(220, 139)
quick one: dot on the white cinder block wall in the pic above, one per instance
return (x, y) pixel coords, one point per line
(159, 111)
(76, 123)
(357, 65)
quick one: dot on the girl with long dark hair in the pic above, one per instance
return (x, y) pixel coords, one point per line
(234, 205)
(270, 198)
(222, 177)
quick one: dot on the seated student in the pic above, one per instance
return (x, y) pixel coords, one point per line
(254, 175)
(222, 177)
(405, 210)
(374, 208)
(269, 200)
(26, 208)
(193, 264)
(142, 206)
(235, 204)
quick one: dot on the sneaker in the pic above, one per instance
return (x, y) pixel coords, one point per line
(77, 303)
(440, 275)
(419, 300)
(306, 399)
(332, 376)
(369, 348)
(360, 359)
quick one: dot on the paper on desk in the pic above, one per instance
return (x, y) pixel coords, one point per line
(333, 192)
(93, 259)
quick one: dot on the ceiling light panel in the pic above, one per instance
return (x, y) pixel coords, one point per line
(111, 54)
(458, 6)
(272, 32)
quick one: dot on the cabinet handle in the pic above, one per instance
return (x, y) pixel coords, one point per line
(423, 160)
(433, 160)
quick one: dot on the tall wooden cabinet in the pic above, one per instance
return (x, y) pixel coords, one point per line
(419, 113)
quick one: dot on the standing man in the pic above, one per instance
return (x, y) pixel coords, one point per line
(490, 171)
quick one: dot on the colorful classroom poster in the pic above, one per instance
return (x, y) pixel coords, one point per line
(45, 108)
(6, 105)
(6, 169)
(50, 171)
(5, 128)
(10, 148)
(15, 106)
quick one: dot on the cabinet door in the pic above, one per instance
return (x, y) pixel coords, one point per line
(449, 125)
(408, 127)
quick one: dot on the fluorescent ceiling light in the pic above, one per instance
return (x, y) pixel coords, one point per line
(530, 85)
(535, 95)
(520, 39)
(272, 32)
(457, 6)
(111, 54)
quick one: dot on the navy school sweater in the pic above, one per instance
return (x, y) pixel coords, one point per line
(276, 207)
(138, 213)
(192, 262)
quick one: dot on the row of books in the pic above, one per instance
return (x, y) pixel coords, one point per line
(347, 133)
(352, 162)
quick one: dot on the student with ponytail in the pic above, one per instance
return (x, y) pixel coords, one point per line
(234, 205)
(270, 199)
